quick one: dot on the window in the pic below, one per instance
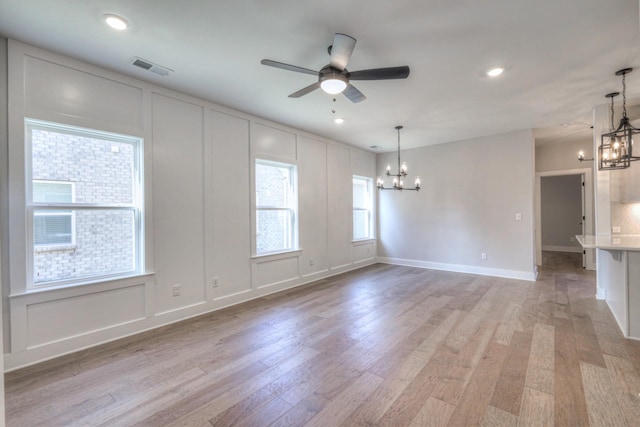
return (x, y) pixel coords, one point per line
(84, 204)
(276, 205)
(362, 208)
(53, 228)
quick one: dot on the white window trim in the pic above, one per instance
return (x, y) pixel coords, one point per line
(137, 205)
(370, 234)
(292, 208)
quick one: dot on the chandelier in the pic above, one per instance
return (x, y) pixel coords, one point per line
(616, 146)
(398, 178)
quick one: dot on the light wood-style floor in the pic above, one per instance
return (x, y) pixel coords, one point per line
(385, 345)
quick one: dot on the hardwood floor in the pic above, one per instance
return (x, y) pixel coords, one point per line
(385, 345)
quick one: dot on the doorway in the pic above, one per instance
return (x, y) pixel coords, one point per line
(564, 207)
(562, 213)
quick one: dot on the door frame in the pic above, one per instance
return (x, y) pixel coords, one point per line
(587, 202)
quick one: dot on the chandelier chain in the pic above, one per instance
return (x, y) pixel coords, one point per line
(612, 123)
(624, 95)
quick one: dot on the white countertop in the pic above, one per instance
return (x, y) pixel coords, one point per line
(629, 242)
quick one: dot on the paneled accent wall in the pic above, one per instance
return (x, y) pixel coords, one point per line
(199, 220)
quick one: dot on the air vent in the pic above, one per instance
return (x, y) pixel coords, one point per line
(150, 66)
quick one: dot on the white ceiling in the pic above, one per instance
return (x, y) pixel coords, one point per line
(560, 58)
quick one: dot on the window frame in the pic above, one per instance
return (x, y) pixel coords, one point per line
(38, 247)
(368, 182)
(291, 208)
(136, 206)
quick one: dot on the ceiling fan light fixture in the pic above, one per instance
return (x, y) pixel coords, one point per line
(116, 22)
(333, 83)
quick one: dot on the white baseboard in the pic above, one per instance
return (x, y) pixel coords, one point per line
(470, 269)
(573, 249)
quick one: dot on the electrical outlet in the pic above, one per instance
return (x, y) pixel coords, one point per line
(483, 256)
(176, 290)
(214, 282)
(311, 261)
(615, 229)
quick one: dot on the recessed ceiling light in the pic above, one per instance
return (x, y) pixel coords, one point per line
(338, 120)
(116, 22)
(495, 72)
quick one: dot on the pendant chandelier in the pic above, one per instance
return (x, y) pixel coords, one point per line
(398, 178)
(616, 147)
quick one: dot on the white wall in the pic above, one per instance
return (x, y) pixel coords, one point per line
(4, 223)
(199, 211)
(471, 192)
(561, 212)
(563, 155)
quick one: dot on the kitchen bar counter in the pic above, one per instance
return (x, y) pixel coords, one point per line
(618, 277)
(629, 242)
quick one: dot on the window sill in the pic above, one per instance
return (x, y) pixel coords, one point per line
(47, 292)
(357, 242)
(278, 255)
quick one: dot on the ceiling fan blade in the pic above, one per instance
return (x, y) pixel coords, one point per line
(353, 94)
(380, 73)
(305, 90)
(289, 67)
(341, 50)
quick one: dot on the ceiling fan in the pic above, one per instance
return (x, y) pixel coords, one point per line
(334, 78)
